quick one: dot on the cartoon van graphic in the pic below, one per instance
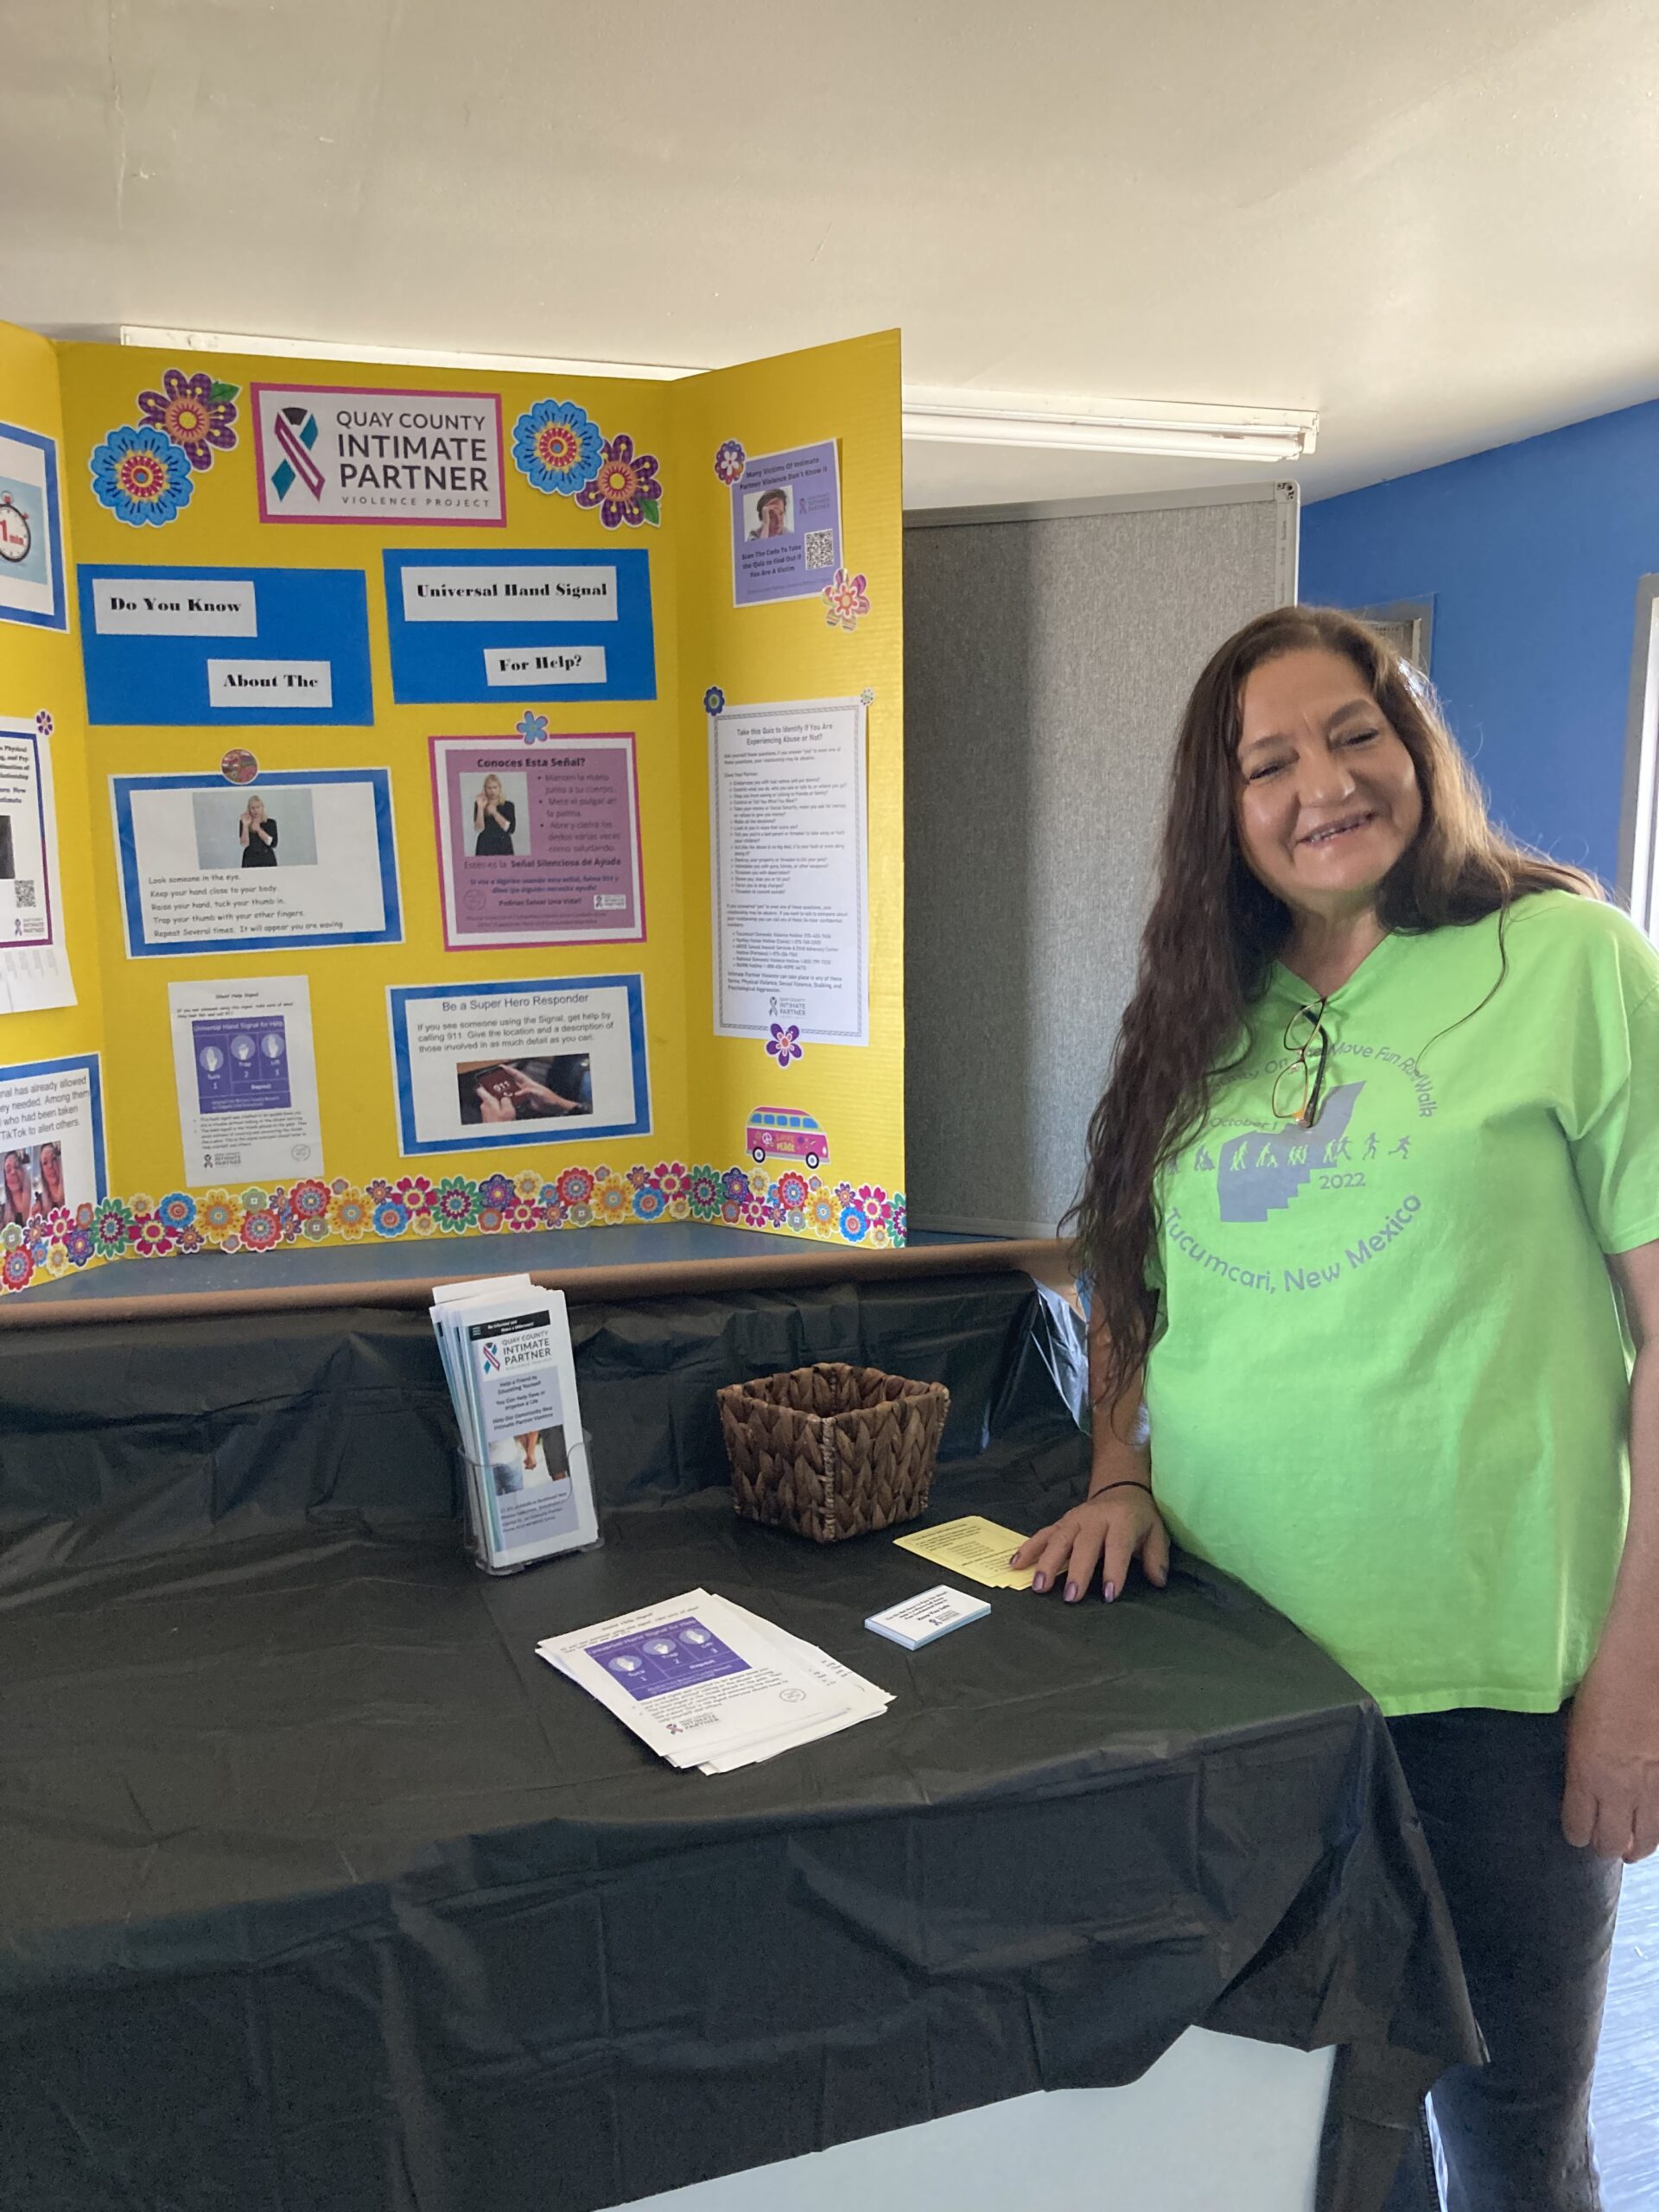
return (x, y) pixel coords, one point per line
(773, 1133)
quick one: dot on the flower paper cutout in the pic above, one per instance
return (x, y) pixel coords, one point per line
(44, 723)
(785, 1044)
(532, 728)
(730, 462)
(141, 475)
(714, 700)
(844, 596)
(455, 1204)
(193, 410)
(626, 487)
(558, 446)
(261, 1229)
(110, 1228)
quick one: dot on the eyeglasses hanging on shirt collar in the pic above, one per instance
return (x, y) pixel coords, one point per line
(1297, 1090)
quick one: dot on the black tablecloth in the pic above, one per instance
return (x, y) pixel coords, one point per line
(321, 1892)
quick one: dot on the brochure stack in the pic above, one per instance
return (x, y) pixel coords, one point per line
(505, 1347)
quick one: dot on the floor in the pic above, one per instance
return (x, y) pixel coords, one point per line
(1627, 2104)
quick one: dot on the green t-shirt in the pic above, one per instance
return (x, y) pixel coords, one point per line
(1388, 1389)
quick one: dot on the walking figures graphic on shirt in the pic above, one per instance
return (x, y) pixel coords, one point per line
(1340, 1187)
(1259, 1173)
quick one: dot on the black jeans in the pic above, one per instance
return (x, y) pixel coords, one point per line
(1534, 1925)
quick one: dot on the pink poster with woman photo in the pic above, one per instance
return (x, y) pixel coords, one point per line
(538, 847)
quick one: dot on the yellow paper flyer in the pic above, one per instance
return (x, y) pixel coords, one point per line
(979, 1548)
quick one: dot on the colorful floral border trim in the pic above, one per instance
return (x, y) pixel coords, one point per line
(264, 1220)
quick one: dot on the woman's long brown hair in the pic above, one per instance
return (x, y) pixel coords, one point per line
(1215, 930)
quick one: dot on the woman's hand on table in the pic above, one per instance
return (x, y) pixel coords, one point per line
(1100, 1538)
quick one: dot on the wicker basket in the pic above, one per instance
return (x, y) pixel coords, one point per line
(832, 1451)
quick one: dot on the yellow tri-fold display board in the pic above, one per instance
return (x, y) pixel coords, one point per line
(435, 803)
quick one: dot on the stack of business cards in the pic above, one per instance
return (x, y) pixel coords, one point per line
(979, 1548)
(922, 1620)
(709, 1684)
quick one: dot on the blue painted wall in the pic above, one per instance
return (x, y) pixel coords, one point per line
(1532, 555)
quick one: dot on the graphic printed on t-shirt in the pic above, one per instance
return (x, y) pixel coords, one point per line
(1345, 1187)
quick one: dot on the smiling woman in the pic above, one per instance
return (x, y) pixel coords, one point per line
(1372, 1194)
(1305, 723)
(1328, 800)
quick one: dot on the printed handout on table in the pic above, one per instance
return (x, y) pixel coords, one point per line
(704, 1682)
(974, 1547)
(490, 1064)
(247, 1080)
(31, 531)
(527, 624)
(51, 1138)
(174, 648)
(296, 857)
(789, 875)
(340, 455)
(537, 848)
(33, 966)
(786, 525)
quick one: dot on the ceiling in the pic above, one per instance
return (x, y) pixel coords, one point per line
(1437, 224)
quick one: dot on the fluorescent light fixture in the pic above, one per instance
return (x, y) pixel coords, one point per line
(1201, 433)
(409, 357)
(1197, 431)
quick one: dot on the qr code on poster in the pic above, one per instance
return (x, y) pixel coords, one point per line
(23, 892)
(820, 549)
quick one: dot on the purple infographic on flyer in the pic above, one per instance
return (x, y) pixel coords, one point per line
(785, 525)
(241, 1065)
(537, 848)
(671, 1657)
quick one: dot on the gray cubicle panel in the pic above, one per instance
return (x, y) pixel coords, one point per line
(1048, 654)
